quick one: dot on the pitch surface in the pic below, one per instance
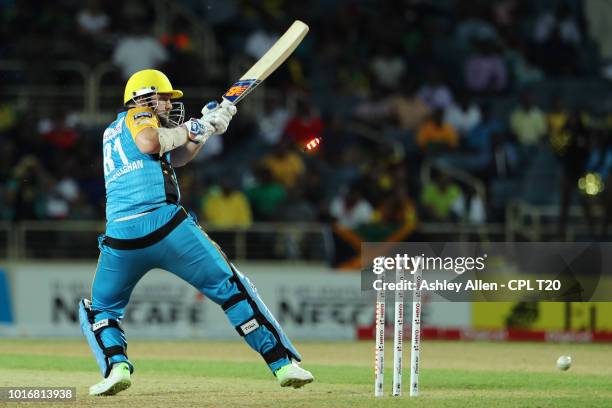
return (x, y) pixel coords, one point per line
(203, 373)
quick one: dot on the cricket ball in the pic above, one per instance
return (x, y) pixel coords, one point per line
(564, 362)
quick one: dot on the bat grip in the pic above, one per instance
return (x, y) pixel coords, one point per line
(225, 103)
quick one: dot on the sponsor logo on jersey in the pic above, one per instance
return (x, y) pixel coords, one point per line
(142, 122)
(141, 115)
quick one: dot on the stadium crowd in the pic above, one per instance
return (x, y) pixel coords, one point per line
(492, 89)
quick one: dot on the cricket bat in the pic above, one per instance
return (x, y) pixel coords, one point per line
(272, 59)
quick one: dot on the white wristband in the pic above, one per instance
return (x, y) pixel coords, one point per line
(170, 139)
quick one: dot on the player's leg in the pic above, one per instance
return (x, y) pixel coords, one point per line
(195, 258)
(117, 273)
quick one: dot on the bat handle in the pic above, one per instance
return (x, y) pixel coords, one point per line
(211, 106)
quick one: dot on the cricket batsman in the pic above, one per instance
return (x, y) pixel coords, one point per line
(146, 228)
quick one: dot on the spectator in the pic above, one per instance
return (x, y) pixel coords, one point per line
(435, 134)
(178, 40)
(393, 220)
(463, 116)
(274, 120)
(351, 210)
(558, 58)
(338, 139)
(481, 139)
(67, 187)
(56, 206)
(394, 176)
(528, 122)
(266, 196)
(475, 28)
(485, 70)
(259, 41)
(397, 210)
(227, 207)
(599, 15)
(572, 149)
(407, 107)
(93, 27)
(388, 67)
(562, 21)
(598, 184)
(180, 48)
(285, 165)
(93, 20)
(557, 37)
(477, 156)
(297, 208)
(28, 188)
(352, 79)
(557, 120)
(8, 116)
(475, 212)
(138, 50)
(352, 215)
(60, 131)
(435, 93)
(522, 70)
(441, 198)
(505, 14)
(404, 107)
(304, 125)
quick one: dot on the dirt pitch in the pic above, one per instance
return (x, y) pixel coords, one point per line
(218, 374)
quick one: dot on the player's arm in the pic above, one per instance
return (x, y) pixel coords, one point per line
(184, 154)
(147, 140)
(212, 113)
(152, 139)
(162, 140)
(149, 137)
(186, 140)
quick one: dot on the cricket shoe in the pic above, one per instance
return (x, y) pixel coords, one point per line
(118, 380)
(292, 375)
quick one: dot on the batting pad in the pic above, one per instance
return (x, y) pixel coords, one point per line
(254, 321)
(92, 331)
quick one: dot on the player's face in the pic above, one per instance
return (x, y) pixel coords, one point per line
(163, 103)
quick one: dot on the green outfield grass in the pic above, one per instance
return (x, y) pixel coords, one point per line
(454, 374)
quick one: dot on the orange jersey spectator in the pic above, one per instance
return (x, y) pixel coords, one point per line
(435, 132)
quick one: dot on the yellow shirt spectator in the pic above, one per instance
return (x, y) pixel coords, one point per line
(556, 122)
(286, 167)
(558, 137)
(528, 124)
(229, 209)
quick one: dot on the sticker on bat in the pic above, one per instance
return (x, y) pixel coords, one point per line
(240, 89)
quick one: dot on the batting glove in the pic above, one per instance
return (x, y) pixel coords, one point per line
(199, 130)
(219, 116)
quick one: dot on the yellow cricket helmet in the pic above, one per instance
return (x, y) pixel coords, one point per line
(148, 81)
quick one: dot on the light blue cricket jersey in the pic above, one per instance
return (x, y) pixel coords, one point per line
(135, 182)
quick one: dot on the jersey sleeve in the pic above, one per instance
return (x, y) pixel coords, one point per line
(140, 118)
